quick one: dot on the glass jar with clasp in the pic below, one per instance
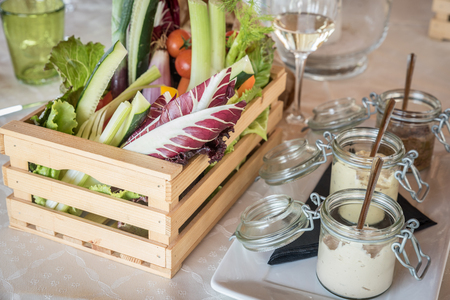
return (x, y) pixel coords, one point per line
(351, 263)
(418, 125)
(336, 115)
(351, 162)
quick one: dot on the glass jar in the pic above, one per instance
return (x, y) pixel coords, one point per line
(359, 264)
(336, 115)
(352, 164)
(350, 263)
(286, 163)
(417, 126)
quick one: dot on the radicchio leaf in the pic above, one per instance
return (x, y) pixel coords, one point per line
(189, 132)
(215, 149)
(213, 92)
(168, 20)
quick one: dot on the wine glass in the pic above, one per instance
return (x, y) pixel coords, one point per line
(302, 26)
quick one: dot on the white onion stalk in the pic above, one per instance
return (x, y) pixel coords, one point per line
(160, 59)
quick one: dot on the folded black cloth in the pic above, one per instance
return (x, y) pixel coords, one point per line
(307, 244)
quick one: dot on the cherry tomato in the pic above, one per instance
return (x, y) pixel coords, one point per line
(183, 63)
(177, 41)
(105, 100)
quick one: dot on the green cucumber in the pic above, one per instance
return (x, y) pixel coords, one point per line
(140, 37)
(139, 110)
(98, 82)
(117, 119)
(241, 70)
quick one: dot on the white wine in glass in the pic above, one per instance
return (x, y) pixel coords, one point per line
(303, 30)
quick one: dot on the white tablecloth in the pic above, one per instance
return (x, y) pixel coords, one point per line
(32, 267)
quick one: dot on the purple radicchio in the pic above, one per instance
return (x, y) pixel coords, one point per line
(215, 91)
(167, 18)
(189, 132)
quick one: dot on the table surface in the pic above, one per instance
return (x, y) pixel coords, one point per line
(32, 267)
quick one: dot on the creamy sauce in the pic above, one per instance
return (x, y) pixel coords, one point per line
(345, 176)
(354, 269)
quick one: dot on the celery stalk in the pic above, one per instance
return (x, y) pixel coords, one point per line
(217, 30)
(201, 43)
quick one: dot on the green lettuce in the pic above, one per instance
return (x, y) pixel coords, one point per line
(261, 56)
(106, 189)
(61, 117)
(259, 125)
(74, 61)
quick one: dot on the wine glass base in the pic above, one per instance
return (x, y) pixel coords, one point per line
(296, 118)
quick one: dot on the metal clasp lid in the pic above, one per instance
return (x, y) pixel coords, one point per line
(399, 248)
(437, 129)
(408, 163)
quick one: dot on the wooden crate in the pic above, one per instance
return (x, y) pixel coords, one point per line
(440, 25)
(177, 216)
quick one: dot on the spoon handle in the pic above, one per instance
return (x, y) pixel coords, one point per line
(377, 164)
(409, 74)
(383, 126)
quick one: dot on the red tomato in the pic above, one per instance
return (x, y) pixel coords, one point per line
(183, 63)
(177, 41)
(105, 100)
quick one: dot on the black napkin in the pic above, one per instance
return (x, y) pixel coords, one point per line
(307, 244)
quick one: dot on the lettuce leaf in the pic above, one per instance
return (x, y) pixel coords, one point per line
(61, 117)
(261, 54)
(74, 61)
(106, 189)
(259, 125)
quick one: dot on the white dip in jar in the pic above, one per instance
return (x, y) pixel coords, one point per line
(356, 263)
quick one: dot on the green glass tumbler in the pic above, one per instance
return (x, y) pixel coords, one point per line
(32, 28)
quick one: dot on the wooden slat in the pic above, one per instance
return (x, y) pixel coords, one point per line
(22, 164)
(88, 231)
(197, 165)
(124, 159)
(38, 112)
(439, 29)
(220, 204)
(276, 114)
(66, 240)
(107, 173)
(2, 144)
(441, 6)
(87, 200)
(198, 194)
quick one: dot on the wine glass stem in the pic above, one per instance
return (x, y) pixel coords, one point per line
(300, 59)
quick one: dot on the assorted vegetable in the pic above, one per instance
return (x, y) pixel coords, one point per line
(127, 98)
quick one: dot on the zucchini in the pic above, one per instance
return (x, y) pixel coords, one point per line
(139, 110)
(115, 123)
(140, 37)
(98, 81)
(241, 70)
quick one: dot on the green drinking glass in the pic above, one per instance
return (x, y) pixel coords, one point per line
(32, 28)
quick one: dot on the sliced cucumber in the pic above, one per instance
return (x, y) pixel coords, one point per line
(140, 37)
(118, 118)
(139, 110)
(241, 70)
(98, 81)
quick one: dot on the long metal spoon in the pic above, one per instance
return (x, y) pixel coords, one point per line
(383, 126)
(409, 74)
(375, 171)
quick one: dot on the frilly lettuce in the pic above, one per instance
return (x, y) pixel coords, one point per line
(106, 189)
(74, 61)
(259, 125)
(61, 117)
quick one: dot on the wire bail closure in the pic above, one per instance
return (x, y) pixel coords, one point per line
(437, 129)
(399, 248)
(408, 163)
